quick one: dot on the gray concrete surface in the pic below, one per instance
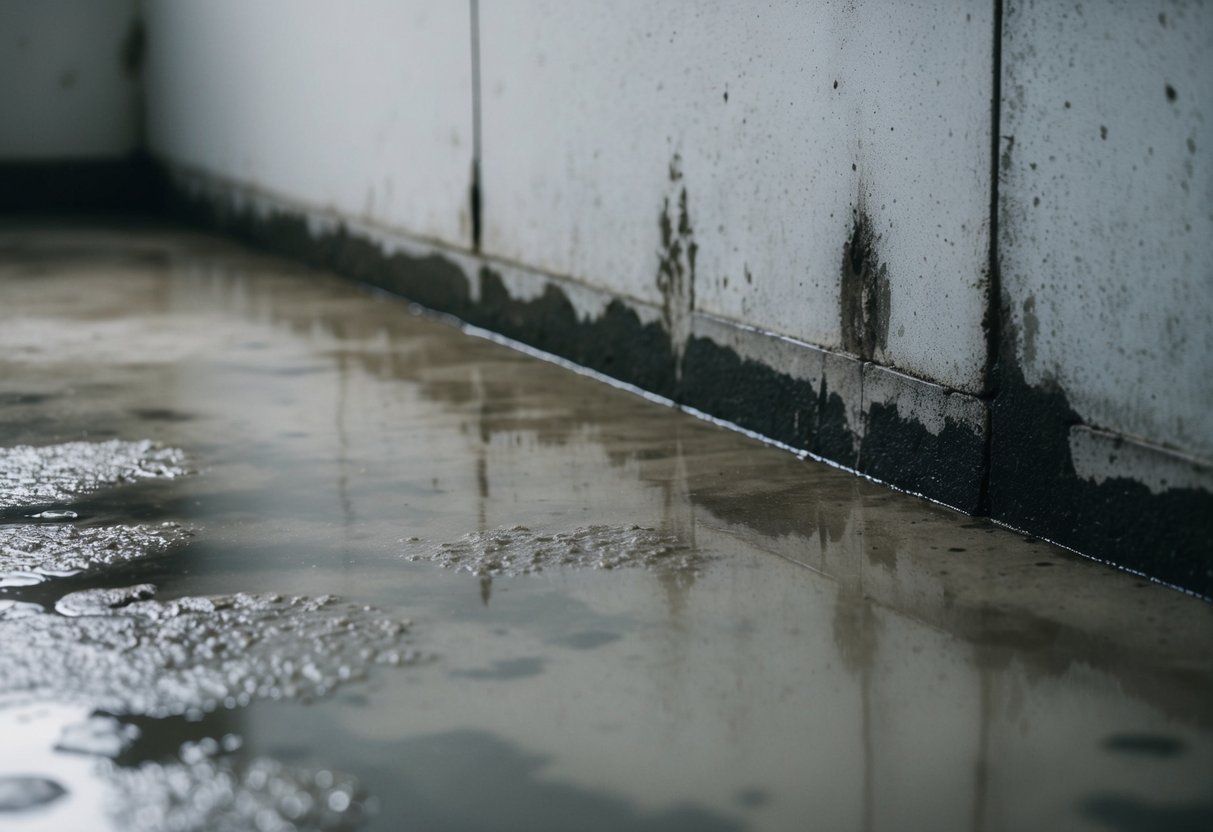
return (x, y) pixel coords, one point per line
(778, 642)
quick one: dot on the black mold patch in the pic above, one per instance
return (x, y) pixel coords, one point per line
(904, 454)
(676, 263)
(1033, 485)
(864, 305)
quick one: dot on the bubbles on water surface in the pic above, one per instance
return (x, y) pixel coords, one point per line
(31, 476)
(31, 553)
(204, 790)
(100, 736)
(518, 550)
(121, 652)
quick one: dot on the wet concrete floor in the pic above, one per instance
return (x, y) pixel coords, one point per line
(276, 553)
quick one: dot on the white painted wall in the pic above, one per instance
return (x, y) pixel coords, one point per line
(586, 104)
(1107, 210)
(65, 89)
(362, 108)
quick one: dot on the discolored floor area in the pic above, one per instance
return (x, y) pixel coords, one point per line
(276, 552)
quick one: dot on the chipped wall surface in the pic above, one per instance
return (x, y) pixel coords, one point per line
(69, 79)
(1107, 211)
(360, 108)
(726, 156)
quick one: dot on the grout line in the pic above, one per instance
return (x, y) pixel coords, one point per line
(994, 300)
(475, 191)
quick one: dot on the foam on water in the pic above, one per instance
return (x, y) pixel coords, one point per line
(205, 790)
(32, 475)
(31, 553)
(121, 652)
(100, 736)
(518, 550)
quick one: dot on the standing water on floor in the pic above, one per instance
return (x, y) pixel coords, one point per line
(277, 554)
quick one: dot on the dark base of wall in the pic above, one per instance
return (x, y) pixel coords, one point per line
(1034, 485)
(907, 433)
(128, 185)
(830, 421)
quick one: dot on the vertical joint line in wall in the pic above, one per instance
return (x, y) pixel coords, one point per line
(474, 196)
(994, 298)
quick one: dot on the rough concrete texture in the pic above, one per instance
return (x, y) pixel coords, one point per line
(840, 652)
(1103, 429)
(1106, 212)
(798, 244)
(768, 139)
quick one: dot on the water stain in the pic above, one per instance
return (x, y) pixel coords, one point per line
(505, 669)
(587, 639)
(518, 550)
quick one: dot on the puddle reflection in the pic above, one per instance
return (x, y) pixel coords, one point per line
(838, 652)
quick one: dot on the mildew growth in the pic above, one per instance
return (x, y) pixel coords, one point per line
(864, 305)
(31, 476)
(122, 653)
(32, 553)
(520, 551)
(205, 790)
(676, 265)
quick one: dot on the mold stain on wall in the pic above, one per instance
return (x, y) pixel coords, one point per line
(864, 298)
(676, 263)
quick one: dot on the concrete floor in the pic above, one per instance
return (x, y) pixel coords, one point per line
(776, 645)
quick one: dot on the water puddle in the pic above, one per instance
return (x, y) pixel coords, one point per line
(723, 637)
(517, 550)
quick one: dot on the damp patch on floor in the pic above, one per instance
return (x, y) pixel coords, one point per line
(34, 552)
(46, 475)
(518, 550)
(122, 652)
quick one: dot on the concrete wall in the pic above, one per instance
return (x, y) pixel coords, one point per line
(1106, 250)
(68, 79)
(362, 109)
(780, 214)
(788, 127)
